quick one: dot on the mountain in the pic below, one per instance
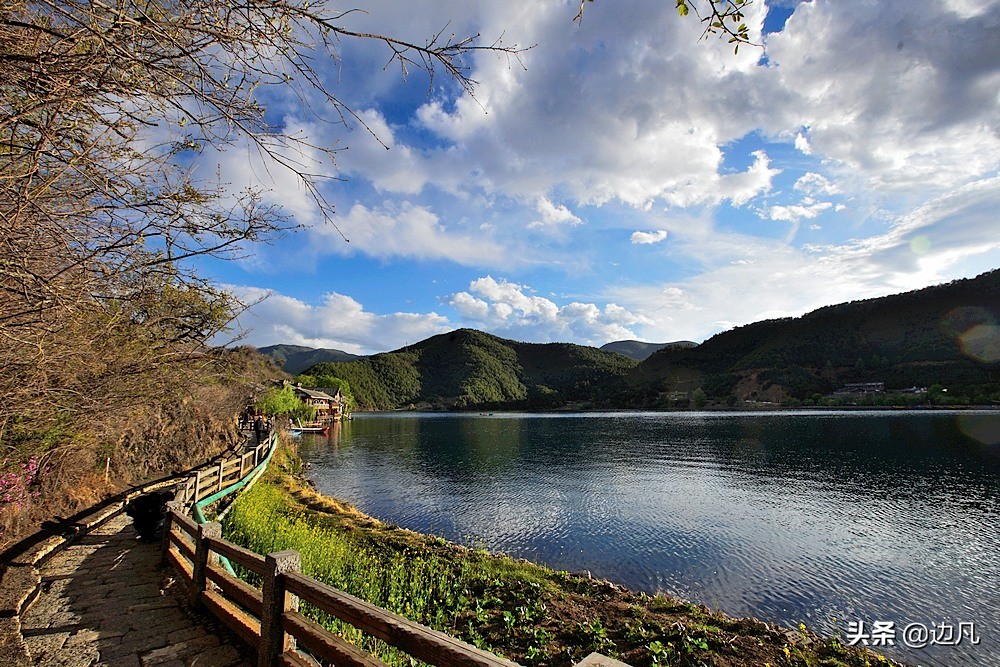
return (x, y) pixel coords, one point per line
(294, 359)
(947, 335)
(469, 369)
(641, 351)
(945, 339)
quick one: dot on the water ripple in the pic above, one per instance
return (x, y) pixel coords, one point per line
(794, 517)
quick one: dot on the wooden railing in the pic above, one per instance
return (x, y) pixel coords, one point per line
(268, 618)
(216, 478)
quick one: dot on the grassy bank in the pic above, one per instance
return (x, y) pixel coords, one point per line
(528, 613)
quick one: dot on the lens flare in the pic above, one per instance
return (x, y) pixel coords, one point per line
(921, 245)
(981, 342)
(976, 331)
(984, 428)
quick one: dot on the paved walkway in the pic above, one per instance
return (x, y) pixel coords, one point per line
(105, 601)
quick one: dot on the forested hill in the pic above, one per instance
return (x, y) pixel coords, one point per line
(945, 335)
(468, 369)
(296, 358)
(641, 351)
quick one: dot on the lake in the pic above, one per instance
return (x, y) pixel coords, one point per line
(820, 517)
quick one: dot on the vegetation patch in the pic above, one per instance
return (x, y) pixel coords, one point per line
(469, 369)
(523, 611)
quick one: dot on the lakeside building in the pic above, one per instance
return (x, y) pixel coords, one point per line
(855, 388)
(328, 408)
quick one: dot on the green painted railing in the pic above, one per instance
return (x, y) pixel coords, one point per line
(268, 618)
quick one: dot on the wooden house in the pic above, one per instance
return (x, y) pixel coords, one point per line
(328, 408)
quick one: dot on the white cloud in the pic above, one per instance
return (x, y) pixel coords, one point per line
(646, 112)
(949, 237)
(648, 106)
(802, 144)
(742, 187)
(508, 309)
(338, 322)
(553, 215)
(794, 213)
(409, 231)
(816, 184)
(244, 166)
(648, 238)
(900, 107)
(632, 112)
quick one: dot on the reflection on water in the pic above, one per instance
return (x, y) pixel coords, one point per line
(791, 517)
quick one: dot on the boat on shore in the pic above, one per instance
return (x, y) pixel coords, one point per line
(310, 427)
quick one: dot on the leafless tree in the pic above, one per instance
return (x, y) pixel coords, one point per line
(103, 106)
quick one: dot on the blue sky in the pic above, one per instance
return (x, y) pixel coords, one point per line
(625, 179)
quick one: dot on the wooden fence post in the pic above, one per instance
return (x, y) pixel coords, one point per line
(213, 529)
(168, 522)
(222, 469)
(273, 641)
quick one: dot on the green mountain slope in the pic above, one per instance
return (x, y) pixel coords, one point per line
(296, 358)
(641, 351)
(468, 369)
(945, 335)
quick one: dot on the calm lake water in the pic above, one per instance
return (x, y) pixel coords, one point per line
(814, 517)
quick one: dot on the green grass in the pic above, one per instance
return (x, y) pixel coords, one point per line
(529, 613)
(454, 595)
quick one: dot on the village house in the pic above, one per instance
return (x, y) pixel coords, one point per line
(854, 388)
(328, 408)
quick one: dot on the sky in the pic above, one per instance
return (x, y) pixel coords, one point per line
(624, 178)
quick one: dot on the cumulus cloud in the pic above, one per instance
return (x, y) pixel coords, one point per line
(802, 144)
(741, 187)
(338, 322)
(553, 215)
(648, 238)
(749, 279)
(882, 97)
(407, 230)
(902, 107)
(816, 184)
(619, 78)
(894, 129)
(510, 309)
(794, 213)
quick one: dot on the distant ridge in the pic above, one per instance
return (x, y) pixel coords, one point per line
(641, 351)
(940, 342)
(946, 336)
(294, 359)
(469, 369)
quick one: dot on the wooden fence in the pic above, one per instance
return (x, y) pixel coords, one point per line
(268, 618)
(218, 477)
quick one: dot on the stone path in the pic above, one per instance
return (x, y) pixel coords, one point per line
(106, 601)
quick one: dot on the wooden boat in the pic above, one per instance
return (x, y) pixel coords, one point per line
(310, 427)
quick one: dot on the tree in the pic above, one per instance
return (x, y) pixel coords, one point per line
(698, 398)
(282, 401)
(723, 18)
(104, 107)
(331, 383)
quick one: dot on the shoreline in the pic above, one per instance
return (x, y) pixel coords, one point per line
(538, 616)
(745, 407)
